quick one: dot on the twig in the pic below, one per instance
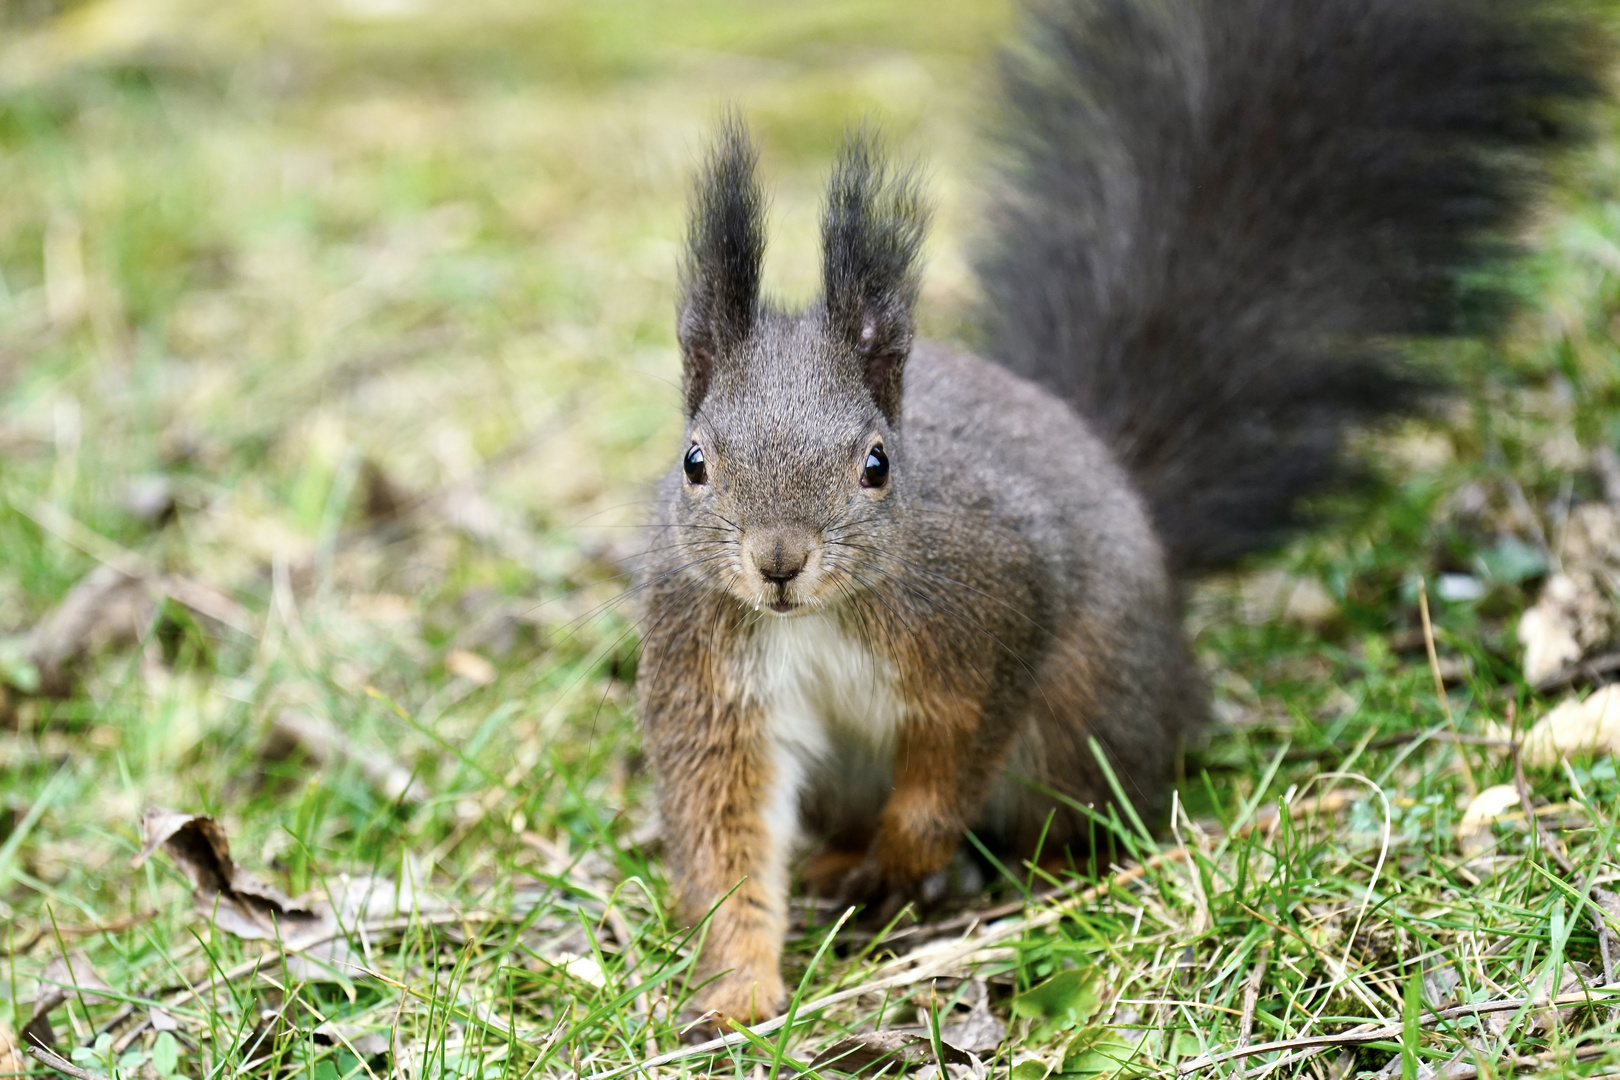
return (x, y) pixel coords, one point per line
(1367, 1033)
(925, 932)
(1388, 742)
(399, 1053)
(1469, 1071)
(1251, 998)
(932, 961)
(1605, 935)
(1440, 689)
(968, 920)
(79, 930)
(296, 946)
(52, 1059)
(1592, 670)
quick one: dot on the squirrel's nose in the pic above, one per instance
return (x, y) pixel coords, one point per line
(780, 555)
(782, 572)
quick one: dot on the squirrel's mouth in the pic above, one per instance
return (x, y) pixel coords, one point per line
(782, 607)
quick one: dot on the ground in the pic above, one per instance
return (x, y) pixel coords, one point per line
(336, 354)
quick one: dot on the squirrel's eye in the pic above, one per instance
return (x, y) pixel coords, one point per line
(876, 473)
(693, 464)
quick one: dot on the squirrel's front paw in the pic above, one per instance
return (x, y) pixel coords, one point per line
(884, 894)
(736, 1000)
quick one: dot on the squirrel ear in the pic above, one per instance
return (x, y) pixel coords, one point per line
(871, 234)
(725, 247)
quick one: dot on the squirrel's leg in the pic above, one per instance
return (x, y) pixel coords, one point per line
(944, 764)
(730, 812)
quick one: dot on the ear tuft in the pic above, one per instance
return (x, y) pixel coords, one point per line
(725, 250)
(871, 236)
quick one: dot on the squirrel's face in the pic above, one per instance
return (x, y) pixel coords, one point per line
(792, 471)
(789, 476)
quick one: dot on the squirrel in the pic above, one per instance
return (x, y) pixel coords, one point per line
(899, 591)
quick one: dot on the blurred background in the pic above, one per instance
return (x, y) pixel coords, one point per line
(336, 358)
(374, 300)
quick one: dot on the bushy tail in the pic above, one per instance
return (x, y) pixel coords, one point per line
(1218, 215)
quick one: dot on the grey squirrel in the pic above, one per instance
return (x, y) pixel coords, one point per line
(899, 591)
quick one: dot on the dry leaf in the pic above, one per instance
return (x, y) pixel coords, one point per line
(1276, 595)
(364, 898)
(575, 966)
(107, 607)
(1474, 831)
(1576, 615)
(11, 1055)
(64, 977)
(314, 931)
(232, 898)
(344, 905)
(973, 1070)
(1573, 979)
(112, 606)
(1609, 902)
(980, 1032)
(470, 666)
(890, 1051)
(1575, 728)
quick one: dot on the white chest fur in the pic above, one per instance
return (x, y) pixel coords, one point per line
(821, 686)
(833, 707)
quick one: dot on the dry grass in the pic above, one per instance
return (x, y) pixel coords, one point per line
(341, 335)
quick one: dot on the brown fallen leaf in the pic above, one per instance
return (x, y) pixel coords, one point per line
(891, 1051)
(113, 606)
(236, 901)
(204, 599)
(313, 931)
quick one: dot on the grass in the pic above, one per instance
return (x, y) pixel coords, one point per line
(310, 263)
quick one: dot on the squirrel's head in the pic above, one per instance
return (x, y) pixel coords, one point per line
(790, 474)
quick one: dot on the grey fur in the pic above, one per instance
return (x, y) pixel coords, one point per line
(1221, 208)
(1215, 216)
